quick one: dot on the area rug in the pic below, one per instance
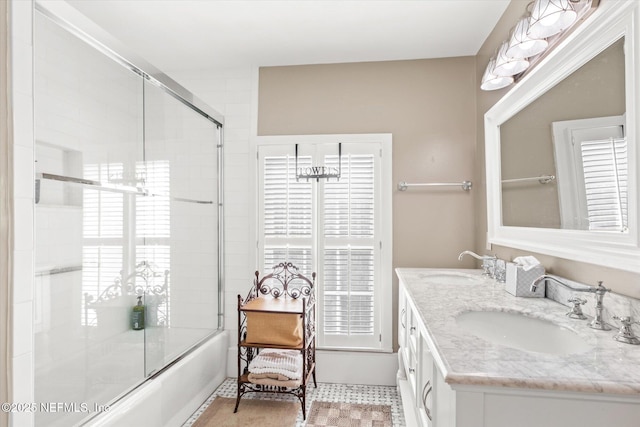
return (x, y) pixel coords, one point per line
(251, 412)
(338, 414)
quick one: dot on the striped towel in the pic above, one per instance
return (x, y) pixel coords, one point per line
(283, 362)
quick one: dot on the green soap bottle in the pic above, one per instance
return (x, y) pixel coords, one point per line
(137, 317)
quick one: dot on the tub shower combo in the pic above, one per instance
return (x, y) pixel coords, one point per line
(128, 232)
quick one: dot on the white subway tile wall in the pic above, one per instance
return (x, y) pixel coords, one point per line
(229, 91)
(22, 66)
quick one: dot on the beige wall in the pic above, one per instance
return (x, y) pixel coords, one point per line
(620, 281)
(427, 105)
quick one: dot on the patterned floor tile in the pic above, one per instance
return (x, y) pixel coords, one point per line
(366, 394)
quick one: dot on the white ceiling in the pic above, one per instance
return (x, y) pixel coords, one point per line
(201, 34)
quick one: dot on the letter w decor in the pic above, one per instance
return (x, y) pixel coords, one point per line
(318, 172)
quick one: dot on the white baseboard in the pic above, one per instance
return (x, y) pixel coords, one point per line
(344, 367)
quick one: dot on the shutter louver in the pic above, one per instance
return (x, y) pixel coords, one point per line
(153, 213)
(287, 214)
(298, 256)
(349, 269)
(348, 278)
(102, 210)
(605, 175)
(349, 202)
(287, 202)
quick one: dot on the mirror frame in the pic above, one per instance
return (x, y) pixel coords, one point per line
(611, 21)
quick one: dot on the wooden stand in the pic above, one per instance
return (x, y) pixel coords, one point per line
(289, 298)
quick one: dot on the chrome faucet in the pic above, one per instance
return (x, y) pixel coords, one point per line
(599, 291)
(488, 262)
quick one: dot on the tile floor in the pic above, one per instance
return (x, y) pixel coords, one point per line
(377, 395)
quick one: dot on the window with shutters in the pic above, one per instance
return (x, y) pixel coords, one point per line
(103, 234)
(591, 166)
(117, 225)
(332, 227)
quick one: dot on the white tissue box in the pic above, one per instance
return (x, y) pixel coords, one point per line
(519, 281)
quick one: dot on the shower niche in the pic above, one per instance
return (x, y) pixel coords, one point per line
(127, 221)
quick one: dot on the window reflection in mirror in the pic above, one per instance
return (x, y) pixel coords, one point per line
(563, 157)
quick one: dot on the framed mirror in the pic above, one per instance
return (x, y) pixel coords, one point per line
(562, 151)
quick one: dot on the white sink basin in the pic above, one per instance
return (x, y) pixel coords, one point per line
(453, 278)
(522, 332)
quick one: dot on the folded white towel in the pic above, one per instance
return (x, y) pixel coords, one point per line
(283, 362)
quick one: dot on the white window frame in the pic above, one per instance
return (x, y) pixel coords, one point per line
(570, 176)
(384, 225)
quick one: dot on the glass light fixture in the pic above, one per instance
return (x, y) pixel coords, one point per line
(492, 82)
(521, 45)
(549, 17)
(506, 65)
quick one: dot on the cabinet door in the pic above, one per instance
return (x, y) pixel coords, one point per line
(425, 384)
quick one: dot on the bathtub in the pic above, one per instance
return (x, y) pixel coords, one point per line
(170, 397)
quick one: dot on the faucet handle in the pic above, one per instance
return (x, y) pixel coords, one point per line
(625, 334)
(601, 289)
(576, 310)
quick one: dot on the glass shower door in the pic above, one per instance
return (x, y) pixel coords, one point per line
(127, 226)
(88, 129)
(177, 226)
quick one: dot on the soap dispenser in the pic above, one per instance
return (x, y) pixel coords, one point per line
(137, 317)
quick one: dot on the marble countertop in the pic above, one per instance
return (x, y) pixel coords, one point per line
(608, 367)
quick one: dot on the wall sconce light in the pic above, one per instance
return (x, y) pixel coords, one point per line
(545, 24)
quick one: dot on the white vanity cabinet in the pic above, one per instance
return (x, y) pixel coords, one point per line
(472, 397)
(418, 378)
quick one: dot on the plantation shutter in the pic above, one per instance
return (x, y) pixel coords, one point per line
(287, 213)
(604, 164)
(349, 253)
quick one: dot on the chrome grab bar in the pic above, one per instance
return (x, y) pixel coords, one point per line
(465, 185)
(59, 270)
(117, 188)
(542, 179)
